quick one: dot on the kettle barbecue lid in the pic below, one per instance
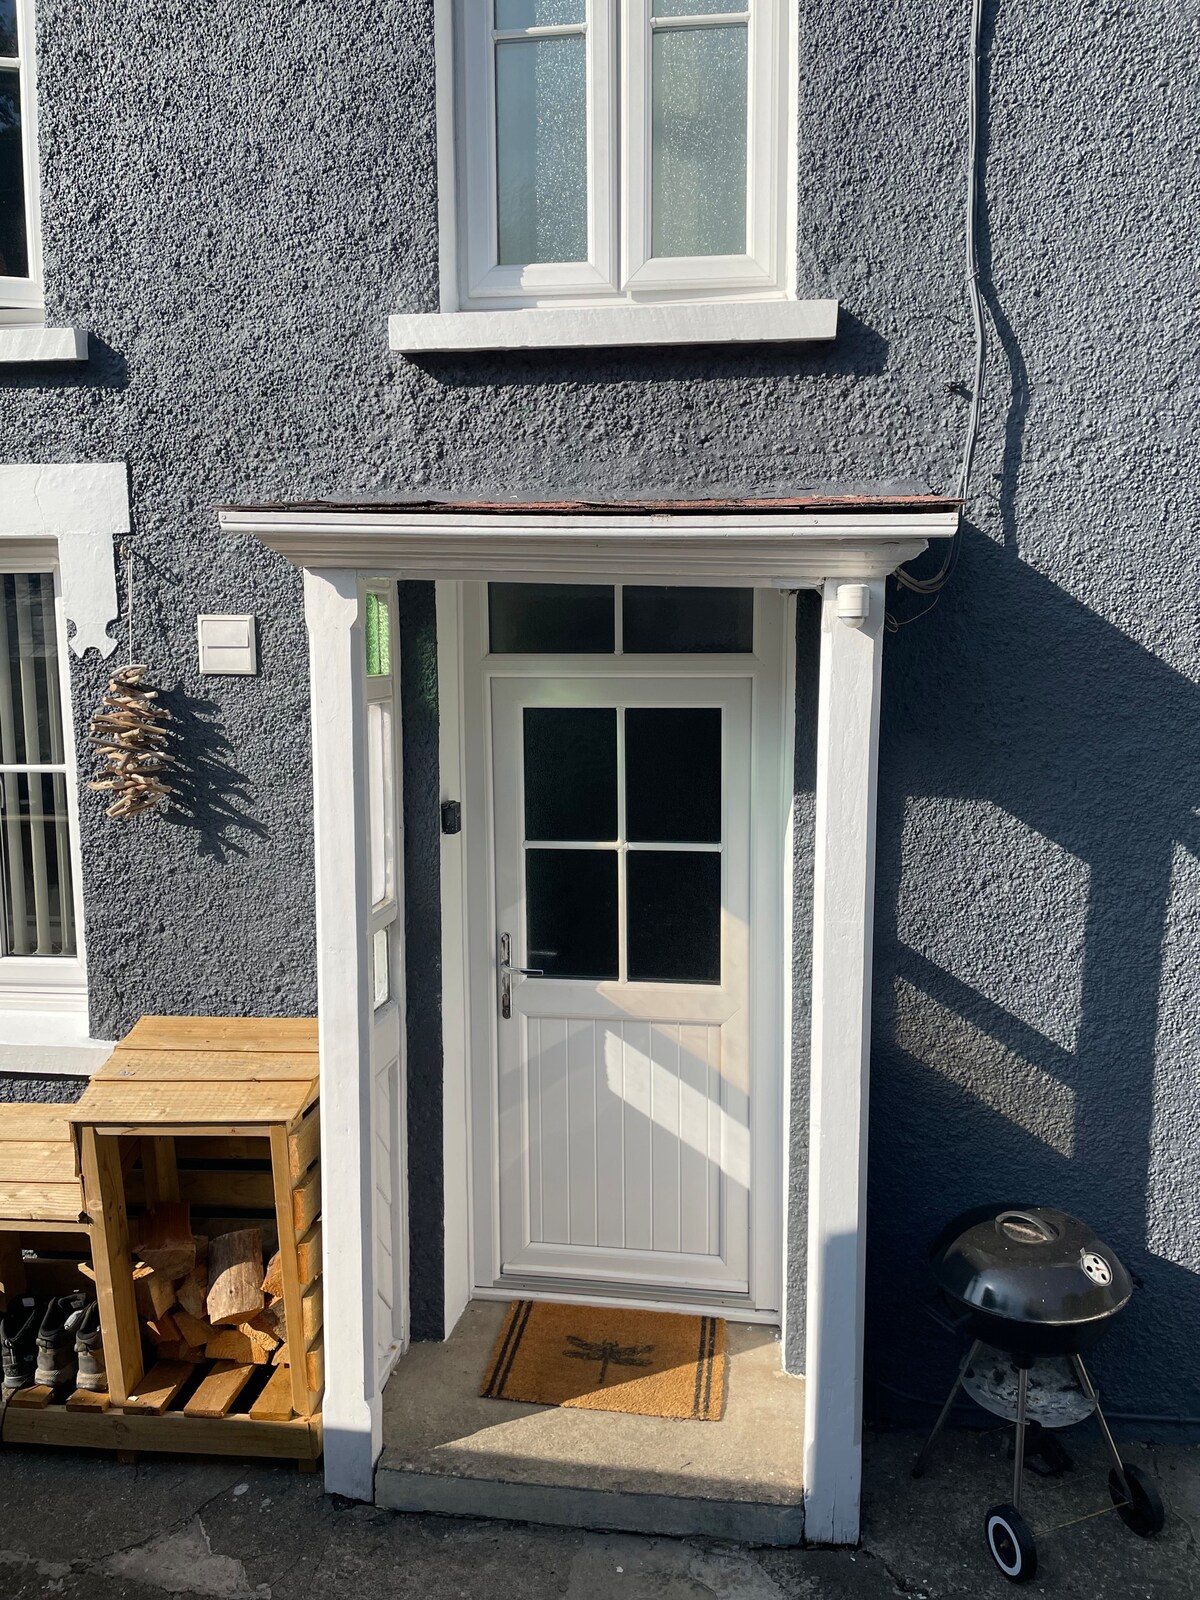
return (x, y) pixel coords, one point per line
(1030, 1264)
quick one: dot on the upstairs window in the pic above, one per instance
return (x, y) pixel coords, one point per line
(20, 263)
(621, 150)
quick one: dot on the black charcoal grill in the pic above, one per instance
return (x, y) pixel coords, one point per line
(1034, 1288)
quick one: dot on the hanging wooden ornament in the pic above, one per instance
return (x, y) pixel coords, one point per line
(130, 732)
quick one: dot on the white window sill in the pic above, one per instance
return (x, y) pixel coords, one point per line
(43, 344)
(561, 328)
(50, 1043)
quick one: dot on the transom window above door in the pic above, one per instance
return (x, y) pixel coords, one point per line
(621, 150)
(618, 619)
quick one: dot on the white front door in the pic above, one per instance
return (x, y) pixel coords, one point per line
(623, 883)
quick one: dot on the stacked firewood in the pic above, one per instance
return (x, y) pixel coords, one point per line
(202, 1299)
(129, 731)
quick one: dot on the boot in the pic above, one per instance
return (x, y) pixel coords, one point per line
(89, 1351)
(56, 1365)
(18, 1345)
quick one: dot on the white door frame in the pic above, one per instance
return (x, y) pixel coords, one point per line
(845, 548)
(773, 719)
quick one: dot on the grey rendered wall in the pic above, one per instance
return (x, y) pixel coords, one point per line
(235, 197)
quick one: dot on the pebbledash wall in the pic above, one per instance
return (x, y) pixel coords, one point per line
(235, 199)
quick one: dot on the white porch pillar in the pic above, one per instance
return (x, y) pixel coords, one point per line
(352, 1404)
(843, 903)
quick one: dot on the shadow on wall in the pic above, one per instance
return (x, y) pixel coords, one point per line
(1034, 1005)
(210, 797)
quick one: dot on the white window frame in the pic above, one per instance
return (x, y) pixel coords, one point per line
(619, 268)
(52, 983)
(22, 300)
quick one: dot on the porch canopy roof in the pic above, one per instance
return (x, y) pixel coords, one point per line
(785, 542)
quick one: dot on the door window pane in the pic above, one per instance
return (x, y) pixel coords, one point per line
(14, 243)
(35, 862)
(686, 621)
(674, 900)
(551, 618)
(570, 772)
(698, 153)
(571, 901)
(673, 775)
(541, 149)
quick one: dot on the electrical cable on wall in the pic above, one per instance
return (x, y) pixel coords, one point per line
(935, 583)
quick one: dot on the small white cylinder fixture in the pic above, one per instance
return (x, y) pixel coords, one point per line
(853, 603)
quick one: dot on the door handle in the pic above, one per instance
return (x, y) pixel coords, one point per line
(506, 973)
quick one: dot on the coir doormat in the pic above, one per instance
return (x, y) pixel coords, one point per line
(650, 1363)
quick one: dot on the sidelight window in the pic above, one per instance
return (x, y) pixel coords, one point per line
(621, 149)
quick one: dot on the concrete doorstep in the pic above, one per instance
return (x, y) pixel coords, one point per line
(450, 1451)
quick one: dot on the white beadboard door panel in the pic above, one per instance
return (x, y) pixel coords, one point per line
(625, 1134)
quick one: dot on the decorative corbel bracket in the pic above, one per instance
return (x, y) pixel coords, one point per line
(83, 507)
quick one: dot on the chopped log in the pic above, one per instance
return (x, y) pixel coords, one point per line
(193, 1293)
(195, 1330)
(153, 1292)
(235, 1272)
(181, 1350)
(162, 1293)
(231, 1344)
(262, 1338)
(167, 1244)
(164, 1329)
(272, 1284)
(201, 1248)
(273, 1317)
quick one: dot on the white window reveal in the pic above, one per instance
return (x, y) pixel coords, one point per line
(621, 148)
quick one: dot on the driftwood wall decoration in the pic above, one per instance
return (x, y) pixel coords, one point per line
(130, 732)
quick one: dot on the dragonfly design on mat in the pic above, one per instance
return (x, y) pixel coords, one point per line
(608, 1353)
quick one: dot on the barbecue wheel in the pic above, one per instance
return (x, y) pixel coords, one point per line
(1010, 1541)
(1142, 1510)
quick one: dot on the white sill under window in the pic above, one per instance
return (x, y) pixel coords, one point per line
(560, 327)
(24, 336)
(44, 1019)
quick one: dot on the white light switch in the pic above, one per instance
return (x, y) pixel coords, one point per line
(227, 644)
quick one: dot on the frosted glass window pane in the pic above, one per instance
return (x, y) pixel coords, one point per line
(697, 8)
(383, 987)
(541, 149)
(538, 13)
(378, 637)
(699, 142)
(382, 803)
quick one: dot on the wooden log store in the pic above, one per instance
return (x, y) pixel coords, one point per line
(186, 1184)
